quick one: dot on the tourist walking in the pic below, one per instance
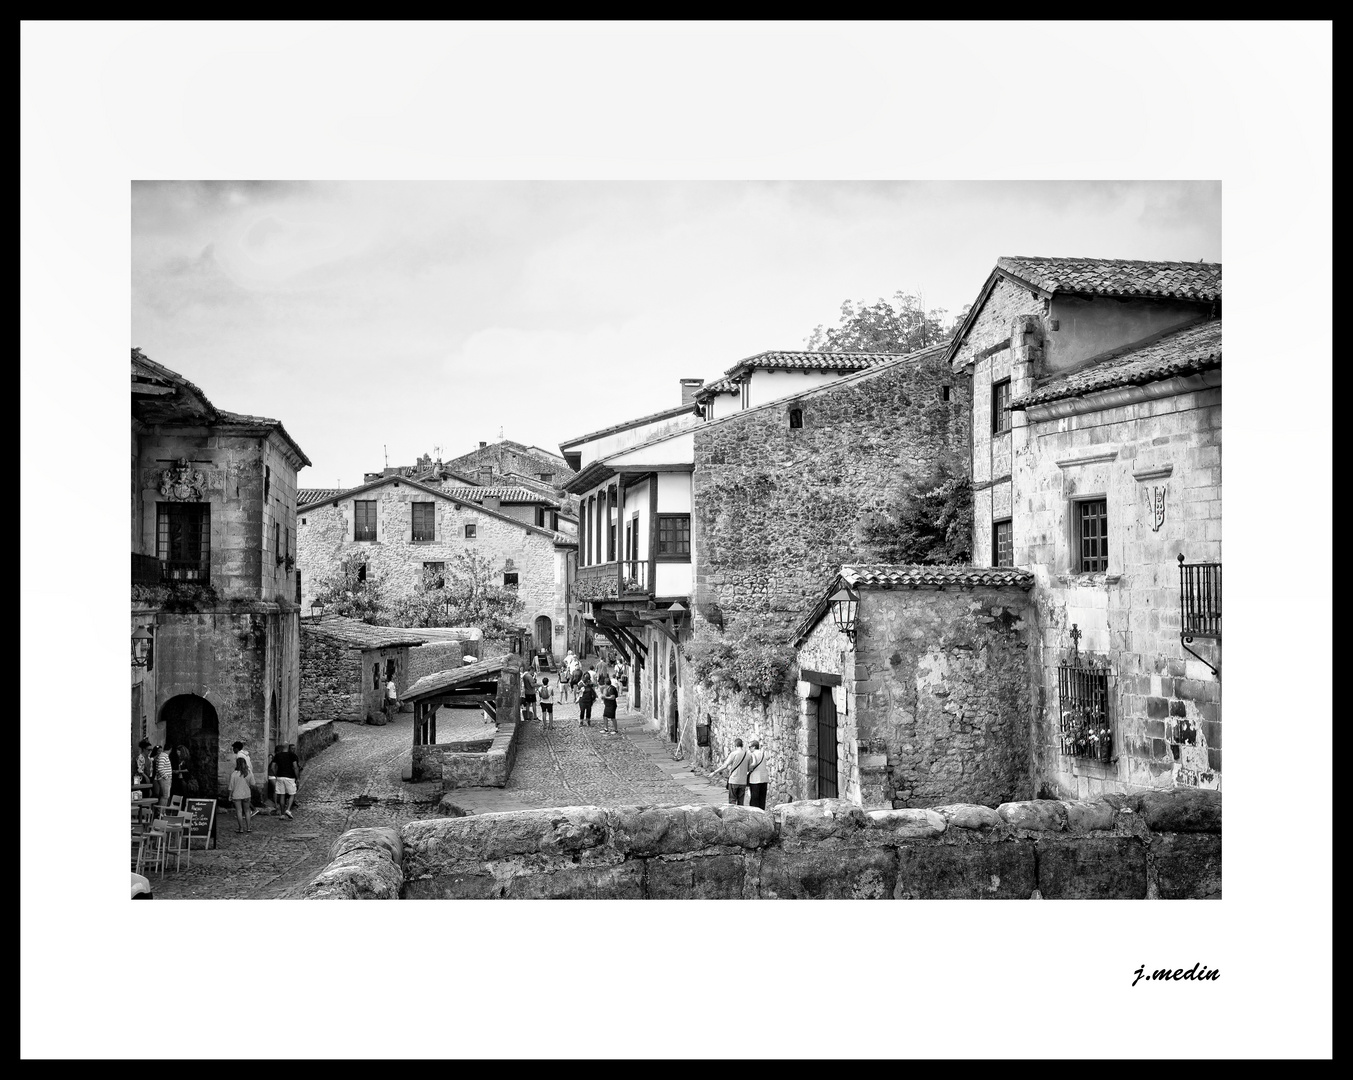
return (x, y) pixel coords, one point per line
(546, 696)
(587, 693)
(610, 695)
(240, 792)
(528, 696)
(255, 800)
(736, 764)
(758, 775)
(391, 698)
(163, 774)
(285, 770)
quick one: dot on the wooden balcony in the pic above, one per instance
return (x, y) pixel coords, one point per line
(612, 581)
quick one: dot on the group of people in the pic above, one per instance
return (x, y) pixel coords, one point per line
(284, 774)
(168, 774)
(583, 685)
(747, 773)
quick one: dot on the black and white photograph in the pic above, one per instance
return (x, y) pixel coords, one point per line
(555, 520)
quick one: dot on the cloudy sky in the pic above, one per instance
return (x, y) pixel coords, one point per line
(375, 316)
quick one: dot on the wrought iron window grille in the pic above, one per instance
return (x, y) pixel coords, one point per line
(1085, 727)
(1199, 604)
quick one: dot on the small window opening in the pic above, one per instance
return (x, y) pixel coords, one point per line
(470, 531)
(796, 418)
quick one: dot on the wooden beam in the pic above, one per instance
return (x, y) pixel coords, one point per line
(653, 537)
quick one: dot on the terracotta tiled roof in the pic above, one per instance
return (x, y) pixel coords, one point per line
(360, 635)
(718, 386)
(504, 494)
(1117, 277)
(1184, 352)
(306, 496)
(918, 576)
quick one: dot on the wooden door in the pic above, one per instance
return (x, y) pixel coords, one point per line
(826, 745)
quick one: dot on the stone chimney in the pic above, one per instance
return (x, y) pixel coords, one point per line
(689, 388)
(482, 444)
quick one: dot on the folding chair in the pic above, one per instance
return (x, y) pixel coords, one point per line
(176, 802)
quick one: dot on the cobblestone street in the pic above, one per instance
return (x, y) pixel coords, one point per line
(567, 766)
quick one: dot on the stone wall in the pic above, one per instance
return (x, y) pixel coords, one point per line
(776, 508)
(331, 680)
(313, 737)
(433, 657)
(1156, 845)
(461, 764)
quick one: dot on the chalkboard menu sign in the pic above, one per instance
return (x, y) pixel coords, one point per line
(202, 817)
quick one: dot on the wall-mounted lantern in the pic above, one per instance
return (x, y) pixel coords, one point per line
(316, 608)
(143, 648)
(845, 605)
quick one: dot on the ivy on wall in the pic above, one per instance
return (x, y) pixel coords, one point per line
(929, 521)
(746, 660)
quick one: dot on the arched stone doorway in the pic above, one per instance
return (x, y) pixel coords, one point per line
(191, 721)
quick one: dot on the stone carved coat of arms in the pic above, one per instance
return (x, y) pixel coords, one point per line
(183, 483)
(1157, 508)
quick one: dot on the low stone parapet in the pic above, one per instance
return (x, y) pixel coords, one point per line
(313, 737)
(825, 848)
(472, 763)
(364, 864)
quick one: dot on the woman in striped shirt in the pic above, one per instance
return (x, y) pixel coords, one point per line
(164, 774)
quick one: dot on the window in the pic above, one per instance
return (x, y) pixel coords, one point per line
(1000, 407)
(1085, 728)
(510, 580)
(674, 537)
(796, 418)
(376, 676)
(424, 527)
(1092, 532)
(944, 392)
(361, 571)
(746, 386)
(1002, 544)
(471, 531)
(183, 540)
(1199, 600)
(546, 476)
(267, 480)
(434, 575)
(277, 541)
(298, 587)
(540, 517)
(364, 519)
(302, 521)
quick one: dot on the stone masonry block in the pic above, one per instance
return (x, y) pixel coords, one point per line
(897, 825)
(711, 877)
(822, 873)
(1043, 815)
(965, 871)
(1089, 816)
(1092, 868)
(1188, 866)
(1180, 810)
(969, 816)
(818, 819)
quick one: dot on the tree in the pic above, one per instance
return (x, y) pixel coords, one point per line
(901, 326)
(467, 593)
(351, 590)
(930, 521)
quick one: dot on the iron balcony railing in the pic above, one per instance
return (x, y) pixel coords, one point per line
(1199, 600)
(185, 570)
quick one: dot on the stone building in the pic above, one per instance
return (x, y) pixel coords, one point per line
(632, 584)
(1096, 466)
(407, 531)
(215, 613)
(914, 688)
(780, 493)
(508, 462)
(345, 665)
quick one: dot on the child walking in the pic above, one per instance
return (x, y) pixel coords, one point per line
(240, 792)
